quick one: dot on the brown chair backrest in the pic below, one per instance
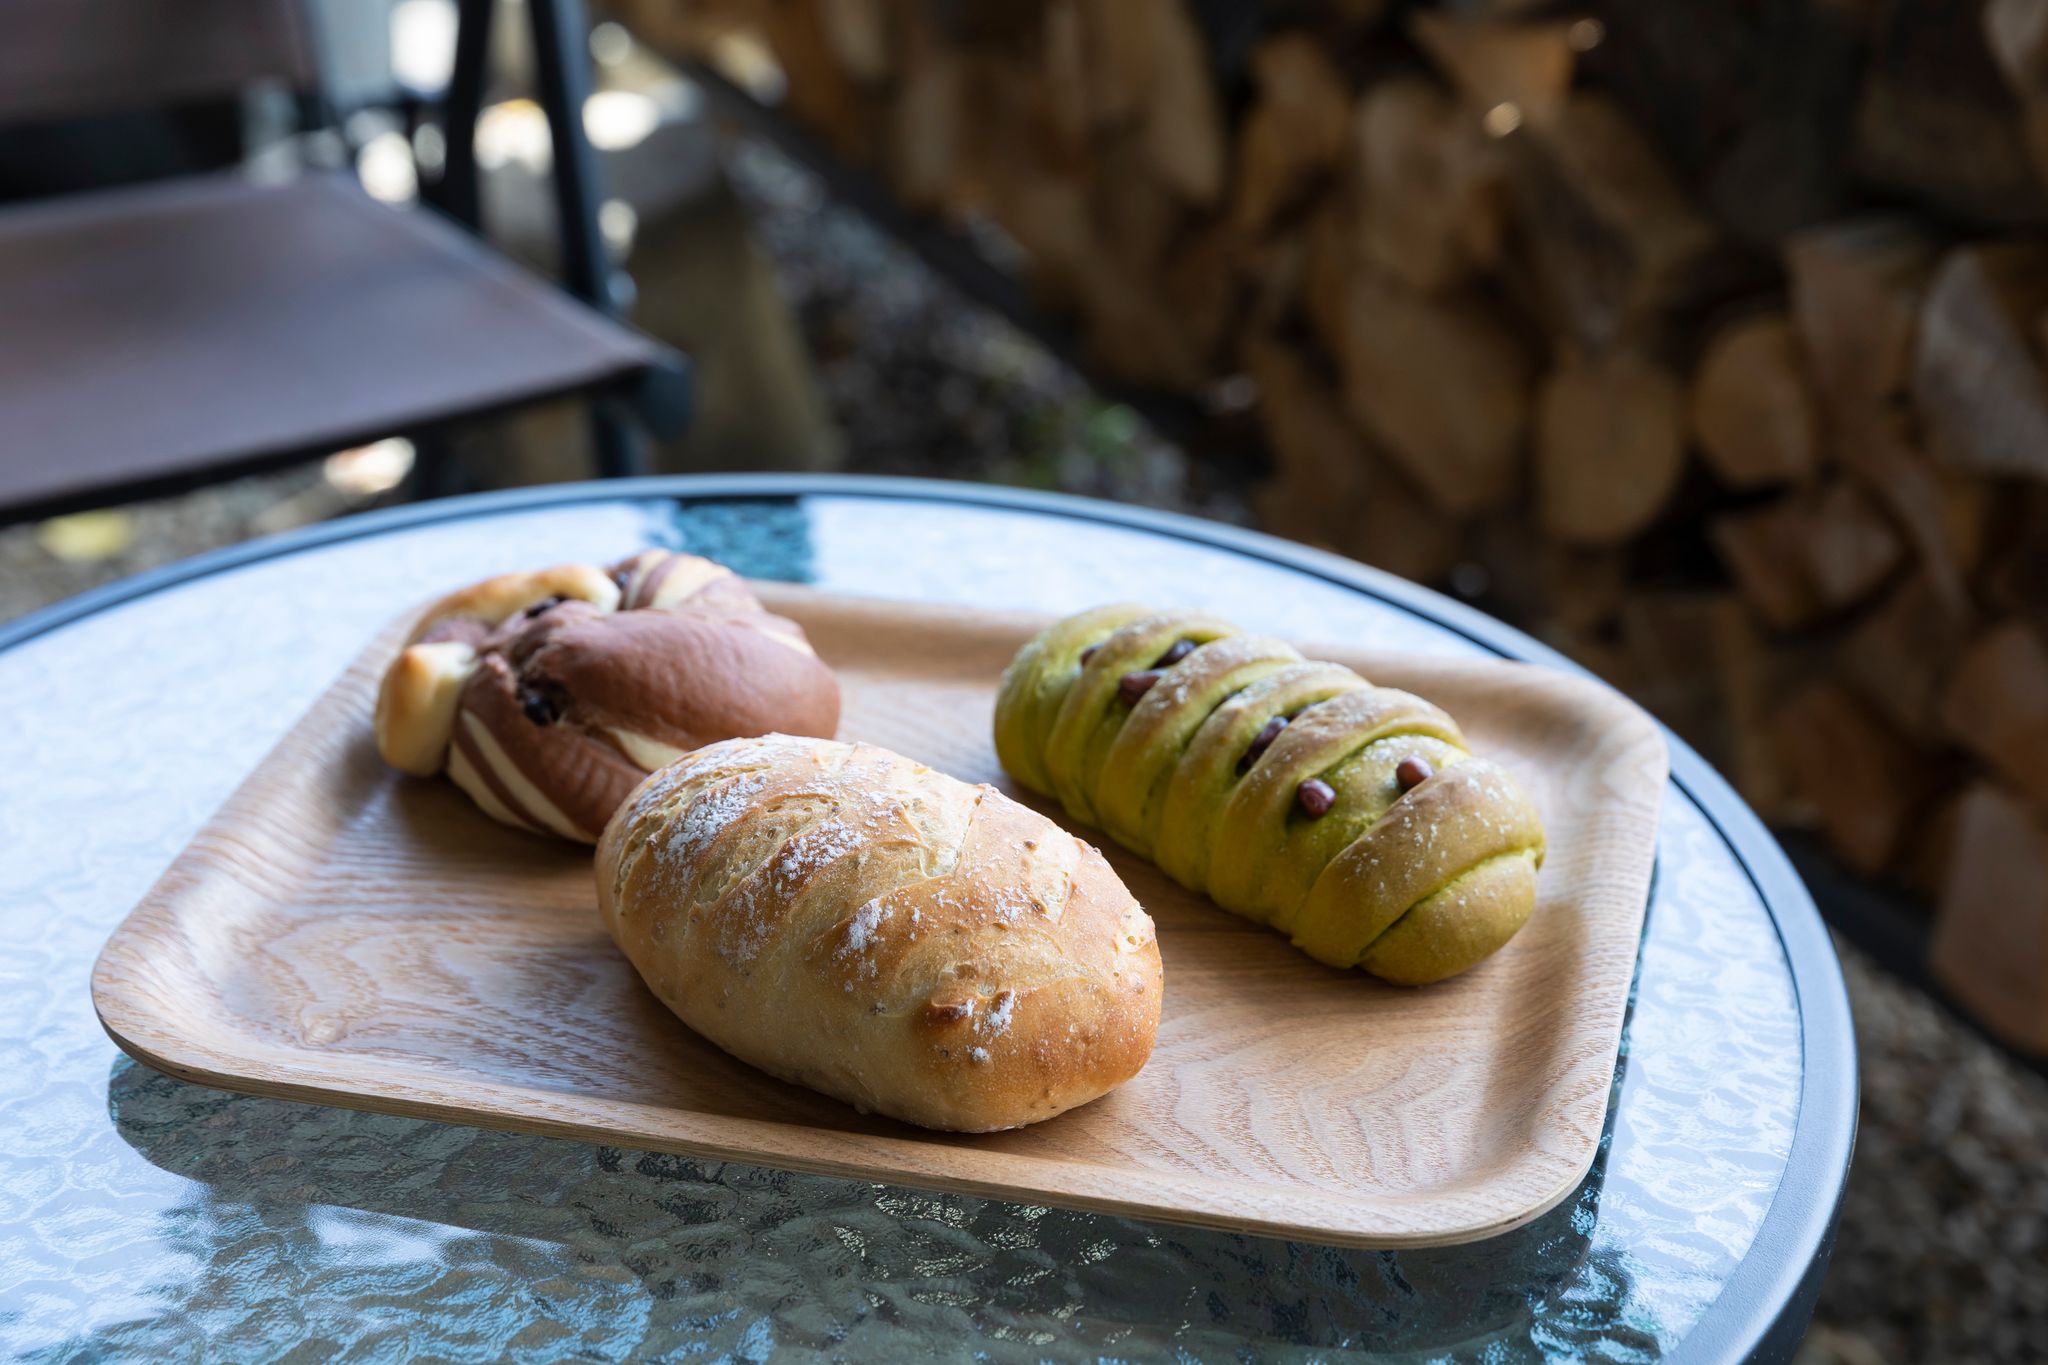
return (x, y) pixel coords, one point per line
(62, 59)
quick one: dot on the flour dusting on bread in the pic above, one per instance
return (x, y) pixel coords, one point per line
(847, 918)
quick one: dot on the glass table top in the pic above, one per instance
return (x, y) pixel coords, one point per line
(144, 1217)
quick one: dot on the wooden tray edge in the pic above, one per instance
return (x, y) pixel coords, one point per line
(414, 1099)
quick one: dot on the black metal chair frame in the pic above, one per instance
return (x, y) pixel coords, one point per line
(661, 400)
(655, 400)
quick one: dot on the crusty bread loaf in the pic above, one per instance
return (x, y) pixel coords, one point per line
(1350, 817)
(548, 696)
(850, 920)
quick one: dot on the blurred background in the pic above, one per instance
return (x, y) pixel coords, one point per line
(1703, 340)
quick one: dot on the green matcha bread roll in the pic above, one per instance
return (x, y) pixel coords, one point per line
(1352, 818)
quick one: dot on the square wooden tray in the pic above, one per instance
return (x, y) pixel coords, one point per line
(341, 934)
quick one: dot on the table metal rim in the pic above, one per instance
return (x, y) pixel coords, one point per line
(1762, 1309)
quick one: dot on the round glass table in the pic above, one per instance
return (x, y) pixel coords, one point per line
(143, 1217)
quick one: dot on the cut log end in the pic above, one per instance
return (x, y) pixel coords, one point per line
(1752, 409)
(1610, 446)
(1865, 781)
(1990, 945)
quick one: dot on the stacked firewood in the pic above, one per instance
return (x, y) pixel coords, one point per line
(1707, 339)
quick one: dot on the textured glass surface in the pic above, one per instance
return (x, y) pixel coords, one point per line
(147, 1218)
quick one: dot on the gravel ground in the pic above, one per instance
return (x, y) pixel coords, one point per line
(40, 565)
(1943, 1254)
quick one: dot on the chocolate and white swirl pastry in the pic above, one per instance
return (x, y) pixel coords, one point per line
(1351, 818)
(548, 696)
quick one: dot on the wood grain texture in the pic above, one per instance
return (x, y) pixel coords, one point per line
(342, 934)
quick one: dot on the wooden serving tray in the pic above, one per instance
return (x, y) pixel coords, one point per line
(341, 934)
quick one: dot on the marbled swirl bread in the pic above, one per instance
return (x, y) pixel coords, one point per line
(1351, 818)
(548, 696)
(850, 920)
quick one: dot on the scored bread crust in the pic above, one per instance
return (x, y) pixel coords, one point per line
(853, 921)
(1150, 724)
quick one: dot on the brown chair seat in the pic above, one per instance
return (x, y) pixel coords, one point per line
(153, 335)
